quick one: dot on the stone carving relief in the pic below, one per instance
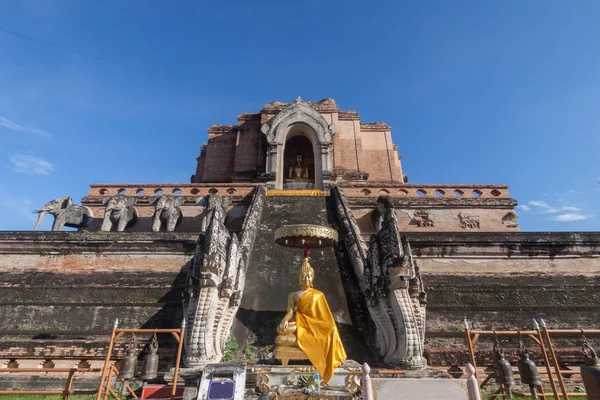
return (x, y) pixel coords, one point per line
(65, 214)
(119, 209)
(468, 222)
(166, 211)
(298, 109)
(389, 280)
(217, 277)
(510, 219)
(299, 114)
(422, 219)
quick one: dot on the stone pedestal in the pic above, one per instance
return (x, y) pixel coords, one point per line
(345, 382)
(285, 354)
(196, 380)
(298, 185)
(191, 382)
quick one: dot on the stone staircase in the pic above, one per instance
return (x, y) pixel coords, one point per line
(273, 274)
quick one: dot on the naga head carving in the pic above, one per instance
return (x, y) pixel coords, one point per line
(208, 275)
(226, 288)
(236, 299)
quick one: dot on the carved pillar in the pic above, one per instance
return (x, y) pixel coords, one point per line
(278, 167)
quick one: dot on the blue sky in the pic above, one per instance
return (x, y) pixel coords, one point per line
(476, 91)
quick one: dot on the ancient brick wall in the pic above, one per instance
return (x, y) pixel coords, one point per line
(220, 154)
(347, 146)
(446, 206)
(247, 147)
(237, 149)
(190, 222)
(380, 159)
(447, 213)
(503, 281)
(61, 291)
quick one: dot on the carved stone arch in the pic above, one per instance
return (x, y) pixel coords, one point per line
(299, 114)
(298, 111)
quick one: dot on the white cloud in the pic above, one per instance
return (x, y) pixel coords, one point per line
(524, 207)
(29, 164)
(545, 207)
(570, 217)
(570, 208)
(8, 124)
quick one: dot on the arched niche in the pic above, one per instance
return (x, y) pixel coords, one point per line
(299, 160)
(298, 119)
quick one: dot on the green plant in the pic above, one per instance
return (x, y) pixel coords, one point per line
(249, 352)
(230, 350)
(304, 380)
(308, 384)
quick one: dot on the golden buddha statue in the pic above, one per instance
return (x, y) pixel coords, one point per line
(313, 334)
(298, 170)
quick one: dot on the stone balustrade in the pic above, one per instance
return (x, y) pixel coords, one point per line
(145, 190)
(429, 191)
(366, 191)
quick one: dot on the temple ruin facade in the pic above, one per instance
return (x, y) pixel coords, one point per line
(152, 254)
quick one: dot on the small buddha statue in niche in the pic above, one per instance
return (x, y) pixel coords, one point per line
(298, 170)
(314, 331)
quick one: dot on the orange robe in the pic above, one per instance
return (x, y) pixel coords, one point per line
(317, 333)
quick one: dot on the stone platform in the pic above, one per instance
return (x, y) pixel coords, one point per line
(419, 389)
(284, 380)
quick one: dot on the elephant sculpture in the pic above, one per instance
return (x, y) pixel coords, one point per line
(214, 207)
(120, 210)
(65, 214)
(166, 211)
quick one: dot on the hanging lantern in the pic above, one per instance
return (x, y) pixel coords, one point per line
(127, 368)
(590, 371)
(528, 371)
(150, 365)
(503, 370)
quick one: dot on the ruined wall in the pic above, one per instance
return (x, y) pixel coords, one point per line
(233, 152)
(220, 153)
(247, 147)
(503, 281)
(379, 153)
(61, 291)
(347, 145)
(446, 206)
(433, 213)
(190, 222)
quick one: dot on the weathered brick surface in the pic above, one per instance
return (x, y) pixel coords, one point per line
(247, 147)
(62, 291)
(220, 154)
(379, 156)
(357, 147)
(444, 220)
